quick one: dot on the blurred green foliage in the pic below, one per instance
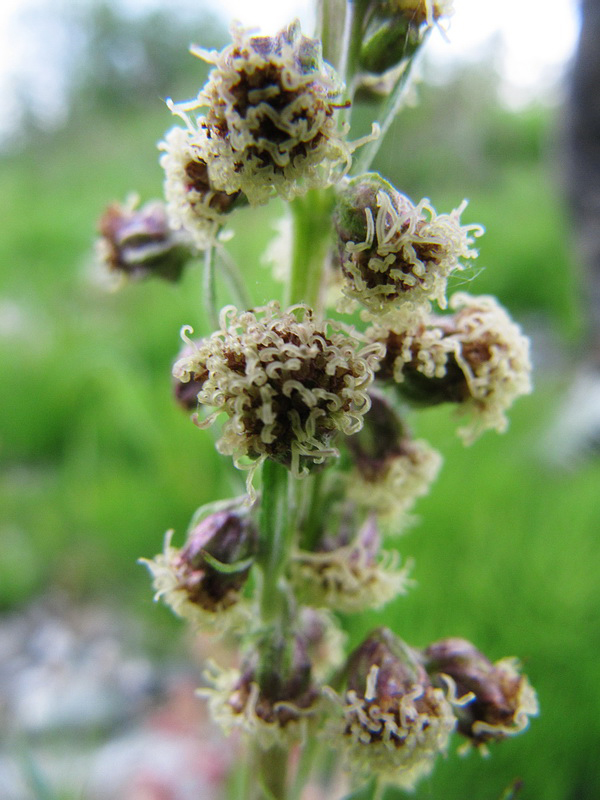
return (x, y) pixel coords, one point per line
(97, 462)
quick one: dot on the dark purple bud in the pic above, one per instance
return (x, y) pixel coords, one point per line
(281, 669)
(502, 698)
(215, 563)
(139, 241)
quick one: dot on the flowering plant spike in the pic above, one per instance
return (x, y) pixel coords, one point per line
(312, 404)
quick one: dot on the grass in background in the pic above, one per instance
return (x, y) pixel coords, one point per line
(97, 462)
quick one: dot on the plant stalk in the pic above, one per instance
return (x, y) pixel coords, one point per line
(311, 219)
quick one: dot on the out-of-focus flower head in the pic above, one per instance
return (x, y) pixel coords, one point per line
(349, 576)
(288, 383)
(503, 699)
(203, 580)
(395, 256)
(477, 358)
(193, 203)
(270, 125)
(323, 638)
(139, 242)
(395, 722)
(391, 469)
(272, 698)
(396, 29)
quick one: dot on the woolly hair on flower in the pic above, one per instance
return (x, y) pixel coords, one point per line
(395, 256)
(288, 384)
(270, 125)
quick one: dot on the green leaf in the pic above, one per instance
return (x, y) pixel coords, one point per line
(227, 569)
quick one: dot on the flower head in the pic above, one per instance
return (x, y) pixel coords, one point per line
(288, 384)
(270, 124)
(394, 255)
(272, 700)
(503, 699)
(349, 577)
(193, 203)
(396, 29)
(477, 357)
(138, 242)
(202, 581)
(395, 723)
(391, 470)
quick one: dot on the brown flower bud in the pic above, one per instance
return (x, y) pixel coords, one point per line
(395, 721)
(503, 700)
(139, 242)
(203, 580)
(273, 697)
(222, 539)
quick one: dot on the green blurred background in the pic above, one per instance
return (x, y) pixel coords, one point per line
(97, 461)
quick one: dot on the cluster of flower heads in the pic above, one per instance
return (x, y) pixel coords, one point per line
(270, 127)
(287, 382)
(397, 706)
(299, 390)
(401, 705)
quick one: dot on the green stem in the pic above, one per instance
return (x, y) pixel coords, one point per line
(234, 279)
(275, 538)
(276, 529)
(387, 114)
(272, 773)
(209, 289)
(312, 523)
(330, 20)
(311, 219)
(310, 750)
(357, 10)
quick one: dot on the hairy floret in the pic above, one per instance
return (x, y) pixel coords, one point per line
(393, 255)
(477, 357)
(288, 384)
(193, 202)
(270, 124)
(395, 723)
